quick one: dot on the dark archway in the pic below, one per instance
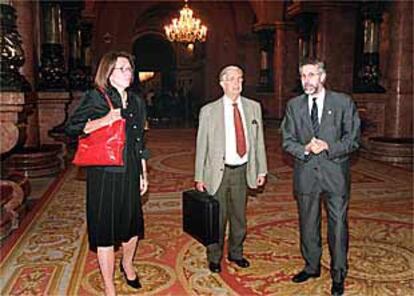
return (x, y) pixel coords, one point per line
(154, 53)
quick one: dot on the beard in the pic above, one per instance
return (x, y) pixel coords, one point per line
(310, 89)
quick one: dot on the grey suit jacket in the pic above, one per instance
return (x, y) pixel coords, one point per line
(339, 127)
(210, 152)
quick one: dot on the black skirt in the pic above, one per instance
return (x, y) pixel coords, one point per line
(114, 209)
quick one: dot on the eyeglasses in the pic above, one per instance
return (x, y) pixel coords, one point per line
(124, 69)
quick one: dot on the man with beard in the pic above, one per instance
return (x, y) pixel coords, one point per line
(320, 130)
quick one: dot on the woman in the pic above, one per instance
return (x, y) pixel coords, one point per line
(114, 213)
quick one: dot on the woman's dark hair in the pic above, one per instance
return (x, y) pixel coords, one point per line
(107, 65)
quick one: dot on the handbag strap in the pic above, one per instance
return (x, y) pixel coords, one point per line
(108, 100)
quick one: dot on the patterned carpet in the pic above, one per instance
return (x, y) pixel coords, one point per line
(51, 256)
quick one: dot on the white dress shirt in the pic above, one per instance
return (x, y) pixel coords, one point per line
(320, 100)
(231, 157)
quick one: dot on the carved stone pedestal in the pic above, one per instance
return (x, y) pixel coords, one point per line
(35, 162)
(41, 160)
(395, 151)
(14, 193)
(13, 189)
(11, 104)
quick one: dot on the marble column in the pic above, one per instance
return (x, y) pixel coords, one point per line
(76, 70)
(52, 76)
(399, 115)
(336, 43)
(25, 21)
(77, 77)
(396, 146)
(25, 25)
(369, 69)
(306, 24)
(52, 96)
(12, 54)
(285, 65)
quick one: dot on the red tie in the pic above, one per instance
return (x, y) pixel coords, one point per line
(240, 138)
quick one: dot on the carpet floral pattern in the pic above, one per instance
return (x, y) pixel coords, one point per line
(51, 256)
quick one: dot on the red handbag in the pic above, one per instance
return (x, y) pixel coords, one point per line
(104, 146)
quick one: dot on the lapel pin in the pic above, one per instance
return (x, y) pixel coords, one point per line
(329, 112)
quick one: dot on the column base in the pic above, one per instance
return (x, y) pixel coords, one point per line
(394, 151)
(36, 162)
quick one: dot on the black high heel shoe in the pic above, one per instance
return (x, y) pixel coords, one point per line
(132, 283)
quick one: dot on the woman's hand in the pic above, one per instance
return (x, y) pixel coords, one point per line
(112, 116)
(143, 184)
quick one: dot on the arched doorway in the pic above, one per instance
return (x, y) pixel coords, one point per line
(153, 53)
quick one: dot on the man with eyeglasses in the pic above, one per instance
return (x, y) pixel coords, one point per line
(230, 157)
(320, 130)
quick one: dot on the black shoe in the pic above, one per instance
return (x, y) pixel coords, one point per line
(214, 267)
(132, 283)
(243, 263)
(337, 289)
(303, 276)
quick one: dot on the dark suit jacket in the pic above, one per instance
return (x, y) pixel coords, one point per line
(339, 127)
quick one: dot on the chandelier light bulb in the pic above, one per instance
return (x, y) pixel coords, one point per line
(186, 29)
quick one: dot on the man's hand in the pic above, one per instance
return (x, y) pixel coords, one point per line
(260, 180)
(200, 186)
(310, 147)
(319, 146)
(316, 146)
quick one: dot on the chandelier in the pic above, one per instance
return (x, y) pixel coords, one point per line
(186, 29)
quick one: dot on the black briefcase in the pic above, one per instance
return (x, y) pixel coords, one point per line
(201, 216)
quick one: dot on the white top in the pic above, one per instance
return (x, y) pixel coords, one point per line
(231, 157)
